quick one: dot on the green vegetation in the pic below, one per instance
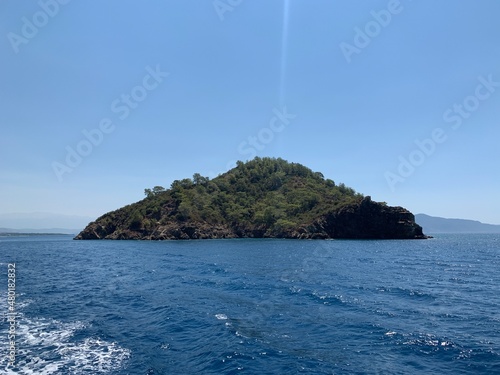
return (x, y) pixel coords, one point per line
(266, 195)
(154, 191)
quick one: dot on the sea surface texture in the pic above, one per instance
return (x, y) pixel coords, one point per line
(253, 306)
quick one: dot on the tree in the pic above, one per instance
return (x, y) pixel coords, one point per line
(155, 191)
(136, 221)
(158, 189)
(330, 183)
(319, 175)
(198, 179)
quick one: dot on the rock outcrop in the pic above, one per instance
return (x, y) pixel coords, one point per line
(371, 220)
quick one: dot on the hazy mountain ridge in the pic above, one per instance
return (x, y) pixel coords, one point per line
(66, 231)
(434, 224)
(46, 222)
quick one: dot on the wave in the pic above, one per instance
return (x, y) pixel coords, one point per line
(48, 346)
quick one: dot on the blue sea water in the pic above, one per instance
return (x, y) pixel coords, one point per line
(253, 306)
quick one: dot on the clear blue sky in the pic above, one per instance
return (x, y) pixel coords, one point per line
(231, 68)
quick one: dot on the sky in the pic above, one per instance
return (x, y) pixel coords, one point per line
(397, 99)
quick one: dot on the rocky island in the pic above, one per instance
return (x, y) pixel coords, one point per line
(262, 198)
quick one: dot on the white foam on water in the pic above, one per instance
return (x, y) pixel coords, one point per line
(46, 347)
(221, 316)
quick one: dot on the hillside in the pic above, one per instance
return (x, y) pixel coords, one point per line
(262, 198)
(433, 224)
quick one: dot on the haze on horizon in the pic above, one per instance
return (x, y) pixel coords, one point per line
(396, 99)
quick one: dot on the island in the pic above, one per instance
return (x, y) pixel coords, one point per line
(261, 198)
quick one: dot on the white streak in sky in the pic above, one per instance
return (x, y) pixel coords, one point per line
(284, 39)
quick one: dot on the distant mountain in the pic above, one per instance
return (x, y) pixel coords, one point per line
(12, 231)
(36, 222)
(263, 198)
(432, 224)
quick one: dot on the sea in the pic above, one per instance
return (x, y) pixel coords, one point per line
(250, 306)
